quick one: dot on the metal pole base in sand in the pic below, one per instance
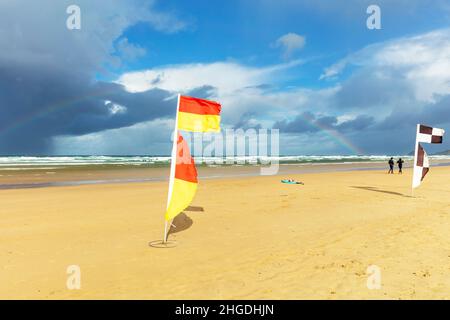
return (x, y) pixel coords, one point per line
(161, 244)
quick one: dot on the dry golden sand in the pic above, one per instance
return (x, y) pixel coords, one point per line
(255, 239)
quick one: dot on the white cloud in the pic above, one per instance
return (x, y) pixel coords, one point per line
(227, 77)
(115, 108)
(30, 37)
(240, 88)
(333, 70)
(128, 50)
(422, 60)
(290, 43)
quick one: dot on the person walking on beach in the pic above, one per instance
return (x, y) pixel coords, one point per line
(400, 165)
(391, 165)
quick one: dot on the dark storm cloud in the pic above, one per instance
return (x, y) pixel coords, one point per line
(395, 134)
(301, 124)
(373, 88)
(203, 92)
(47, 72)
(361, 122)
(307, 122)
(434, 114)
(247, 121)
(38, 103)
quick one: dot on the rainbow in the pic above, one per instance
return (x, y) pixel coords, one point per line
(335, 135)
(58, 105)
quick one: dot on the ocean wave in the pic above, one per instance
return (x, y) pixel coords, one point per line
(153, 161)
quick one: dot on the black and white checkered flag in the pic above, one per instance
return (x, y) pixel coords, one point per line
(429, 134)
(421, 164)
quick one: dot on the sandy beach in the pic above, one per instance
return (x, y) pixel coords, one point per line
(242, 238)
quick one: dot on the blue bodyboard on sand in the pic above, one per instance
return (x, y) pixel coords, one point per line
(291, 182)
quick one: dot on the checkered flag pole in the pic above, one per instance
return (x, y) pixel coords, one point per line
(425, 134)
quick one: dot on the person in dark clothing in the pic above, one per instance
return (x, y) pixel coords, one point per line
(391, 166)
(400, 165)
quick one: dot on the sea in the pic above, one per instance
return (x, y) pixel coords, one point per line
(36, 162)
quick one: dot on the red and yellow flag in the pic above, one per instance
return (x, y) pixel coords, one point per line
(184, 182)
(198, 115)
(195, 115)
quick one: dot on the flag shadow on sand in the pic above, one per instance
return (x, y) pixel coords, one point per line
(182, 221)
(194, 209)
(382, 191)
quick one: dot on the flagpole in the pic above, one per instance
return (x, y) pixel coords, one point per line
(172, 168)
(416, 150)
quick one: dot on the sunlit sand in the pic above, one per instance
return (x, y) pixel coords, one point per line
(242, 238)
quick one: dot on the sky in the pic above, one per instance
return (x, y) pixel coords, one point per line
(311, 69)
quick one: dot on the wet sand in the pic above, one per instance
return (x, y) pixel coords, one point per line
(29, 177)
